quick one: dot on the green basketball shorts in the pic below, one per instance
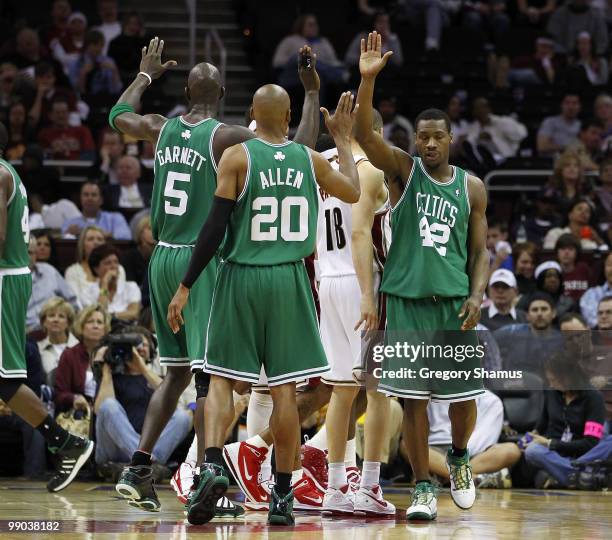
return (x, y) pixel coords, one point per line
(264, 315)
(15, 291)
(427, 355)
(166, 270)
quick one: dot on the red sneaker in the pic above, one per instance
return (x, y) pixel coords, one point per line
(182, 481)
(306, 495)
(353, 476)
(244, 460)
(314, 463)
(262, 504)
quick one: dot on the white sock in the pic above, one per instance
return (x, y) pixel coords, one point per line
(337, 475)
(256, 440)
(296, 476)
(258, 413)
(192, 455)
(370, 474)
(350, 458)
(320, 439)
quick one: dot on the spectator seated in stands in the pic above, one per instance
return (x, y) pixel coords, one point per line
(119, 297)
(306, 32)
(75, 385)
(459, 125)
(487, 19)
(501, 311)
(543, 67)
(578, 219)
(63, 141)
(47, 91)
(602, 110)
(588, 146)
(20, 132)
(125, 48)
(42, 181)
(577, 277)
(534, 12)
(67, 49)
(34, 463)
(489, 423)
(129, 193)
(8, 82)
(94, 74)
(591, 298)
(594, 359)
(524, 346)
(571, 425)
(45, 247)
(574, 17)
(525, 255)
(121, 404)
(110, 27)
(136, 260)
(79, 275)
(113, 224)
(557, 132)
(604, 318)
(56, 319)
(390, 42)
(492, 138)
(436, 15)
(28, 53)
(586, 68)
(57, 29)
(568, 182)
(544, 217)
(393, 121)
(500, 251)
(46, 282)
(111, 149)
(549, 279)
(603, 198)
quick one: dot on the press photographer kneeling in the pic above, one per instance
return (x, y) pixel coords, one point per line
(125, 387)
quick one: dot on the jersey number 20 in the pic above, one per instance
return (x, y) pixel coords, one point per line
(434, 235)
(271, 235)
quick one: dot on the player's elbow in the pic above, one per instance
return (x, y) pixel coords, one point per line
(354, 195)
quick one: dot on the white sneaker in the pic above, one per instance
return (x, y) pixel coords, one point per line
(371, 502)
(463, 490)
(424, 503)
(339, 501)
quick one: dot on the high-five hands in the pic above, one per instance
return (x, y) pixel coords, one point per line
(151, 59)
(372, 60)
(340, 125)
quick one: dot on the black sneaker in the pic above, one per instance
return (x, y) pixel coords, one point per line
(73, 455)
(136, 485)
(281, 509)
(212, 485)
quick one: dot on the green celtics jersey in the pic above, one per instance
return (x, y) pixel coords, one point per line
(275, 218)
(185, 180)
(15, 253)
(429, 230)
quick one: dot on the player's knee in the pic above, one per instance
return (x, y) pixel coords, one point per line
(9, 387)
(202, 384)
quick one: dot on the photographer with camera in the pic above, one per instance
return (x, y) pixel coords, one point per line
(126, 386)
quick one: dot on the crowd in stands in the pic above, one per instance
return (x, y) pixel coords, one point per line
(551, 268)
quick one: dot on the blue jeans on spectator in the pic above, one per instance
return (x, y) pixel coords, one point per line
(117, 440)
(560, 467)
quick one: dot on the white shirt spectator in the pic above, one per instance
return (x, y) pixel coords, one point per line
(76, 277)
(506, 134)
(130, 197)
(553, 235)
(127, 293)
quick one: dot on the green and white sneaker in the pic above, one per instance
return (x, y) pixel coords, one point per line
(212, 485)
(463, 490)
(136, 485)
(424, 502)
(281, 509)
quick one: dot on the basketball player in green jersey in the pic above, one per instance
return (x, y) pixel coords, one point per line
(15, 290)
(434, 279)
(187, 151)
(263, 312)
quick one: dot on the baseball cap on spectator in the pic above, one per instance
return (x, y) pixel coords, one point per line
(567, 240)
(548, 265)
(77, 15)
(503, 276)
(545, 40)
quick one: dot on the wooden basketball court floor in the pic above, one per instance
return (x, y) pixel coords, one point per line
(93, 511)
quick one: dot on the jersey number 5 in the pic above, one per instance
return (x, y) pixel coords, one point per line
(171, 192)
(271, 235)
(435, 235)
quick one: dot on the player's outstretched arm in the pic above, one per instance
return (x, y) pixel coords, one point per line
(6, 188)
(308, 130)
(478, 256)
(393, 161)
(344, 183)
(372, 181)
(232, 167)
(122, 116)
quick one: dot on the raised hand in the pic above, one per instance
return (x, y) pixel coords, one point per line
(308, 75)
(340, 124)
(151, 59)
(372, 60)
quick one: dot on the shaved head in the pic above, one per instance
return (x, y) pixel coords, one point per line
(204, 84)
(271, 106)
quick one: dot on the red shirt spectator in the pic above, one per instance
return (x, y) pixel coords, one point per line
(577, 281)
(70, 376)
(62, 141)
